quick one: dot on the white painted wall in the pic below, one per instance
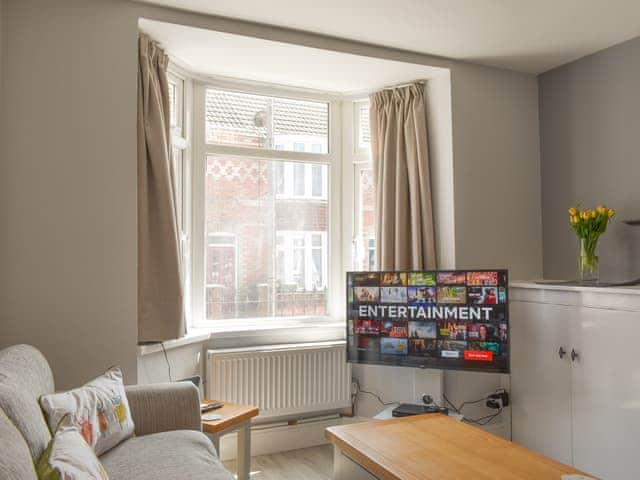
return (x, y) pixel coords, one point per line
(68, 193)
(440, 128)
(183, 362)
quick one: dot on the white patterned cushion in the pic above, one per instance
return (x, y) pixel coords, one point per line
(99, 410)
(68, 457)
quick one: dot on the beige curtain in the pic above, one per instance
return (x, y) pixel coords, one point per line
(160, 296)
(404, 220)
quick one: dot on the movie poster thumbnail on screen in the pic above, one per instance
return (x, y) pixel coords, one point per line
(454, 319)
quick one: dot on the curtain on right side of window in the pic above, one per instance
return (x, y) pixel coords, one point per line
(404, 215)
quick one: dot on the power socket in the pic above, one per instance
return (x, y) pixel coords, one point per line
(498, 400)
(355, 387)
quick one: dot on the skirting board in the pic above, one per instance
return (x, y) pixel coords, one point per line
(280, 438)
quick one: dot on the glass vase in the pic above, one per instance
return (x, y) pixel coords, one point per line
(588, 268)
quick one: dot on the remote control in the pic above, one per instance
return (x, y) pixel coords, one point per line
(206, 407)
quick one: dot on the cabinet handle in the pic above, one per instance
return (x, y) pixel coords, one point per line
(561, 353)
(574, 355)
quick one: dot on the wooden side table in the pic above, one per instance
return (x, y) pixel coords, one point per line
(234, 417)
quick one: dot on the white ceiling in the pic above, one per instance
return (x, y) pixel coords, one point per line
(526, 35)
(231, 56)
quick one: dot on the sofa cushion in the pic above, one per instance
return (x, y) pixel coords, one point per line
(15, 458)
(69, 457)
(25, 375)
(167, 455)
(99, 409)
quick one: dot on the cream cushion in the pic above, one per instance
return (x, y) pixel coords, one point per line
(99, 410)
(69, 457)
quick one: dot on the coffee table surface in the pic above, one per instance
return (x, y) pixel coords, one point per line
(232, 414)
(434, 446)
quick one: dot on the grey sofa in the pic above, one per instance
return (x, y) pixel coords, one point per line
(168, 442)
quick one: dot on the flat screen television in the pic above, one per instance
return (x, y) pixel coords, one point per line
(446, 319)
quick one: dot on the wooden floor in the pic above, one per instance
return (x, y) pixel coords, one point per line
(315, 463)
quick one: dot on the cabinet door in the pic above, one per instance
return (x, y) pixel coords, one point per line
(540, 379)
(606, 393)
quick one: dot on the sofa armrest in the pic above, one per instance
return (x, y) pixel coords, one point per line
(161, 407)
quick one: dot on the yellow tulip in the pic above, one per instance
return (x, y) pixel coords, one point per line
(611, 212)
(573, 211)
(602, 209)
(574, 219)
(594, 214)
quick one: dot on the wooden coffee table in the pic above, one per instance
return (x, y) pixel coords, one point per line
(234, 417)
(433, 447)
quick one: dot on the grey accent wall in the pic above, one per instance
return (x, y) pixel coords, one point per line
(68, 259)
(68, 262)
(590, 153)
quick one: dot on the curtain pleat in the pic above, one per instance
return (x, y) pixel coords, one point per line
(404, 213)
(160, 295)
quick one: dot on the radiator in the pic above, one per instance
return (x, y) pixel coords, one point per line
(282, 380)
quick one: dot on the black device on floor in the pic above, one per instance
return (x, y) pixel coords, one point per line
(408, 409)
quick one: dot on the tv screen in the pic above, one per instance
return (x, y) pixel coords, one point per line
(448, 319)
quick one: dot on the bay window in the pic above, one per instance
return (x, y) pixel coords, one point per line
(268, 179)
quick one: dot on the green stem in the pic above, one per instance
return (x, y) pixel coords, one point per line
(588, 258)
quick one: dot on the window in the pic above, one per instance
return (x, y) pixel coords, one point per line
(173, 108)
(181, 166)
(365, 240)
(258, 121)
(266, 255)
(263, 197)
(358, 166)
(363, 132)
(302, 260)
(300, 180)
(176, 105)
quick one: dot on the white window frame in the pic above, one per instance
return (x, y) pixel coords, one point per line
(355, 160)
(333, 189)
(181, 140)
(359, 150)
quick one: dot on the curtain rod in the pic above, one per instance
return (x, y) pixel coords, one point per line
(391, 87)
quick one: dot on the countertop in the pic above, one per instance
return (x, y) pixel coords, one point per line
(530, 284)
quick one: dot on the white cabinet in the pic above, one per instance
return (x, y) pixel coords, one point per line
(606, 393)
(581, 407)
(540, 379)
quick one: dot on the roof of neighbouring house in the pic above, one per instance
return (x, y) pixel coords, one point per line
(236, 113)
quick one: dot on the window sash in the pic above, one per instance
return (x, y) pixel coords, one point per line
(181, 151)
(333, 271)
(264, 129)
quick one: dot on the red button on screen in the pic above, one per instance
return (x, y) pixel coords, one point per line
(478, 355)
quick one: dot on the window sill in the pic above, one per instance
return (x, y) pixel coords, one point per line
(251, 330)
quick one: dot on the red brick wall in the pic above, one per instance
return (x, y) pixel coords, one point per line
(240, 201)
